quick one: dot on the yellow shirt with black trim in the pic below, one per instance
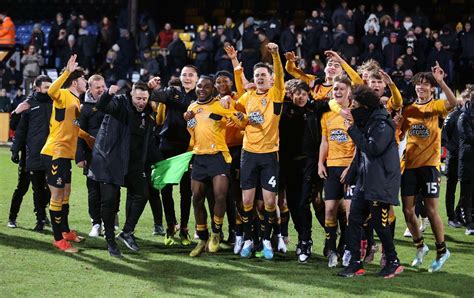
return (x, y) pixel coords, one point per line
(421, 123)
(64, 122)
(341, 147)
(208, 127)
(265, 110)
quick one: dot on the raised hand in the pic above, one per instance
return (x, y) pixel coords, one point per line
(113, 89)
(154, 83)
(231, 52)
(272, 47)
(438, 72)
(334, 56)
(291, 56)
(72, 65)
(385, 77)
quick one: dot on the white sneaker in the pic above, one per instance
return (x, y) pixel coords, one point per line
(282, 245)
(95, 231)
(332, 259)
(239, 242)
(469, 231)
(420, 253)
(196, 236)
(116, 223)
(407, 233)
(425, 223)
(346, 258)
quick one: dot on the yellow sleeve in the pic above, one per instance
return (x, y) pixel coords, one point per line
(334, 106)
(278, 89)
(160, 114)
(229, 114)
(324, 128)
(53, 90)
(353, 75)
(439, 107)
(83, 135)
(241, 103)
(395, 102)
(239, 84)
(298, 73)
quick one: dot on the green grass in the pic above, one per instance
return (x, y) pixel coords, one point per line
(30, 266)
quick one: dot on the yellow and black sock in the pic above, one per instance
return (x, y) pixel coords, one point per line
(440, 249)
(419, 242)
(284, 220)
(202, 232)
(217, 224)
(55, 212)
(65, 211)
(247, 218)
(238, 224)
(330, 227)
(270, 218)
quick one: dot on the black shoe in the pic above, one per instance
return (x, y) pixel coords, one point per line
(391, 269)
(47, 222)
(113, 249)
(231, 238)
(354, 269)
(159, 230)
(39, 227)
(128, 240)
(306, 248)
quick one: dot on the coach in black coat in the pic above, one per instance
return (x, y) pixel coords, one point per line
(466, 162)
(378, 175)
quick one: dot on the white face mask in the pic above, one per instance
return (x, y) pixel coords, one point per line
(407, 25)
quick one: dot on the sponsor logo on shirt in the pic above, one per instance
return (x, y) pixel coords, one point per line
(419, 130)
(339, 136)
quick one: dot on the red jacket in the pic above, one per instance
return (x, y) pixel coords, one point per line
(7, 32)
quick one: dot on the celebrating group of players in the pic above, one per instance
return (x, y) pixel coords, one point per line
(267, 150)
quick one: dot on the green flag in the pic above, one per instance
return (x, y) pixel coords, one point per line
(171, 170)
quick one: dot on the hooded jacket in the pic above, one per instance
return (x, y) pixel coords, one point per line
(466, 143)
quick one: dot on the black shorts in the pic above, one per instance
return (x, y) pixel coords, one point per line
(235, 164)
(207, 166)
(58, 171)
(333, 188)
(423, 180)
(259, 167)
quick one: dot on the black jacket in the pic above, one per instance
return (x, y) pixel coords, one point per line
(33, 129)
(174, 134)
(466, 143)
(110, 156)
(89, 121)
(450, 135)
(376, 164)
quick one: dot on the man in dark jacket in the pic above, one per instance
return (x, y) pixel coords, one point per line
(203, 48)
(174, 140)
(466, 160)
(451, 138)
(90, 121)
(178, 54)
(31, 133)
(377, 168)
(119, 157)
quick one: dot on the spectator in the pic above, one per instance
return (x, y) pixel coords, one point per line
(379, 11)
(310, 41)
(386, 28)
(440, 55)
(466, 57)
(326, 40)
(108, 36)
(177, 53)
(223, 62)
(391, 52)
(370, 37)
(37, 38)
(231, 31)
(32, 63)
(145, 37)
(449, 40)
(202, 47)
(317, 67)
(86, 45)
(165, 36)
(65, 48)
(419, 18)
(265, 55)
(421, 45)
(325, 11)
(219, 38)
(349, 23)
(340, 36)
(315, 20)
(397, 73)
(372, 21)
(360, 16)
(406, 87)
(372, 52)
(7, 30)
(5, 103)
(410, 39)
(397, 13)
(73, 24)
(349, 49)
(273, 29)
(407, 26)
(12, 77)
(410, 61)
(149, 66)
(339, 15)
(288, 39)
(53, 35)
(250, 47)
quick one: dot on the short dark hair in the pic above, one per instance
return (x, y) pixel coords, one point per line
(366, 96)
(204, 77)
(423, 77)
(42, 78)
(375, 75)
(263, 65)
(79, 72)
(193, 67)
(141, 86)
(224, 73)
(300, 85)
(174, 82)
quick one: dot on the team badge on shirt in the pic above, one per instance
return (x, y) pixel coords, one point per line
(339, 136)
(264, 102)
(419, 130)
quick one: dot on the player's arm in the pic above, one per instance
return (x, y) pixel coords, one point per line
(90, 140)
(353, 75)
(294, 71)
(438, 74)
(396, 101)
(323, 155)
(71, 66)
(279, 76)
